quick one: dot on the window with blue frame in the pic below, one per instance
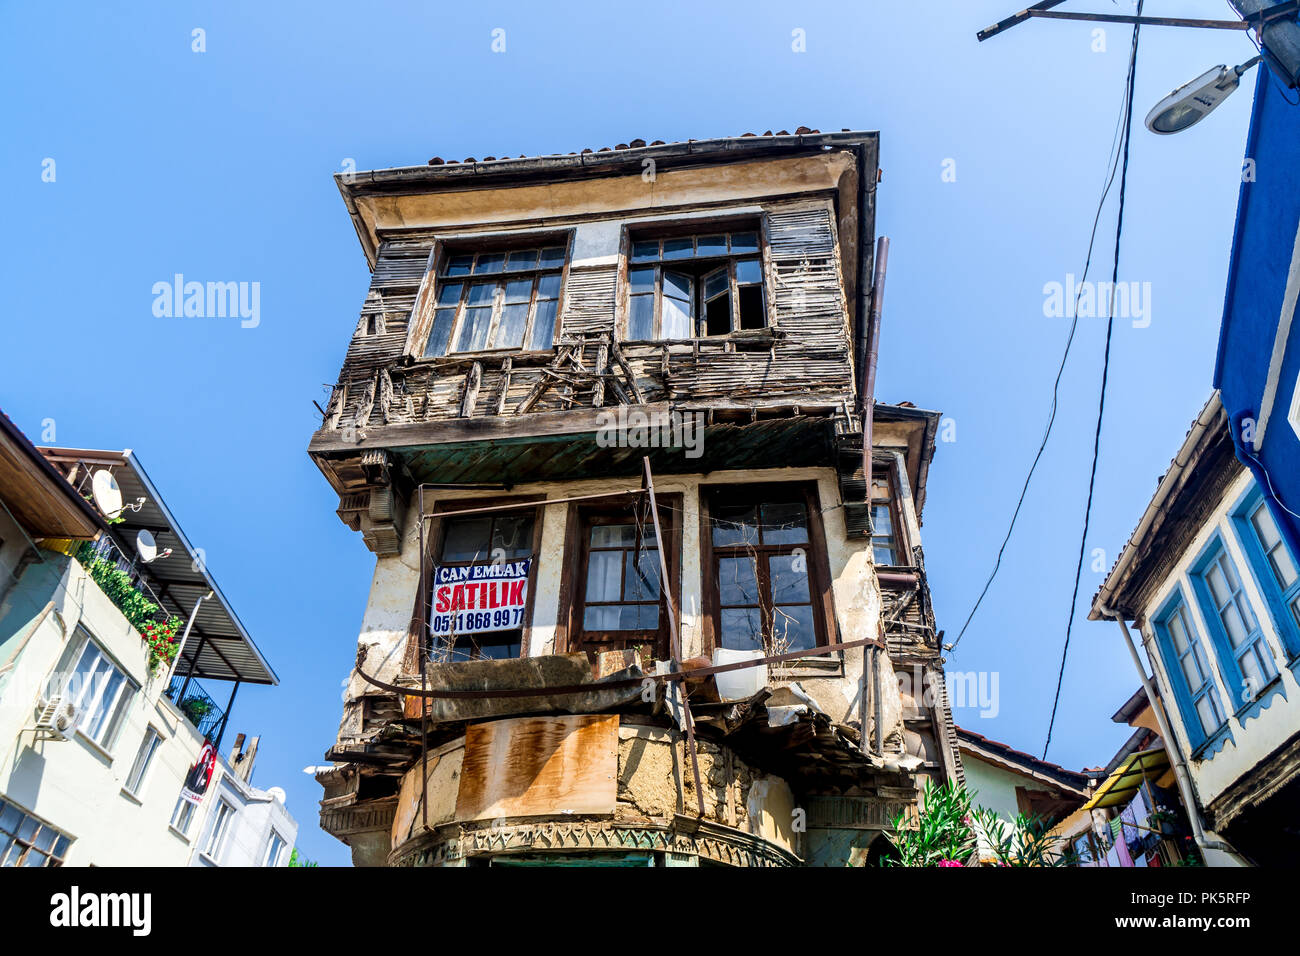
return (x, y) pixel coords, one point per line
(1273, 564)
(1189, 671)
(1234, 627)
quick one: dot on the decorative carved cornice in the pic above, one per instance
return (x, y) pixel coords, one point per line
(683, 835)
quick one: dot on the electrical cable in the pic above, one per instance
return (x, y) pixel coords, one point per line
(1105, 374)
(1112, 170)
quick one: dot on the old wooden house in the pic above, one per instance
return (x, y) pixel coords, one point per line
(649, 584)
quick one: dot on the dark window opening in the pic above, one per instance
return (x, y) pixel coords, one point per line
(683, 287)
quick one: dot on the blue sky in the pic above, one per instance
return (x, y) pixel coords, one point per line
(218, 165)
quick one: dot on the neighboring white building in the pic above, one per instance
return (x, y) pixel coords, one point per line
(97, 779)
(1215, 594)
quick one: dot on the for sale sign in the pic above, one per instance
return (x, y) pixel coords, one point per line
(479, 597)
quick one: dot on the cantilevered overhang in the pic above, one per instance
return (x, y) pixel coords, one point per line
(36, 495)
(1196, 480)
(568, 446)
(219, 647)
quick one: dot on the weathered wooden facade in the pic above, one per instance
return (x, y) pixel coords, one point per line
(633, 378)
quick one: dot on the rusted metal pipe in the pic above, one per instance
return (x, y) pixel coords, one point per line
(873, 354)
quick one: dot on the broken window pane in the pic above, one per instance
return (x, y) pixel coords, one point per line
(643, 251)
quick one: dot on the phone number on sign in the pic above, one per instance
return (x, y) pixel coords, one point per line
(467, 621)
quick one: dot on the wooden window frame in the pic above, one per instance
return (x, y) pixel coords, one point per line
(433, 542)
(825, 624)
(902, 540)
(426, 298)
(568, 625)
(693, 228)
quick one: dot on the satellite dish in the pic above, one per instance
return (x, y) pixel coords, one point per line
(145, 544)
(107, 494)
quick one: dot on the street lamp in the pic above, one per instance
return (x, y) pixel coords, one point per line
(1192, 102)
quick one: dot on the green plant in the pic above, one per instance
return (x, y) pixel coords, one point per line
(1027, 841)
(300, 861)
(196, 708)
(135, 607)
(948, 831)
(939, 834)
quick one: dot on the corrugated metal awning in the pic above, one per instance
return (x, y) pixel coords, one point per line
(218, 647)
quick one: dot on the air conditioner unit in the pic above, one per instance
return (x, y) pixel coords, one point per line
(57, 719)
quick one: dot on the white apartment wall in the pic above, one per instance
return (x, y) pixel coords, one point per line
(75, 785)
(1269, 727)
(248, 835)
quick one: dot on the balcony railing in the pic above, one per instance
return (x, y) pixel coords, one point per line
(199, 709)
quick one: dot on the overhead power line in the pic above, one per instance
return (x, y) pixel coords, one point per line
(1105, 374)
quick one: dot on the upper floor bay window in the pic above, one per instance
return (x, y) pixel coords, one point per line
(1189, 672)
(688, 286)
(496, 299)
(1233, 623)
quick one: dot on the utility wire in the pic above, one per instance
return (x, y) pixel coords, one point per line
(1105, 374)
(1112, 169)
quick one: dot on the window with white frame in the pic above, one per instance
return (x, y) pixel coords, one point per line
(1233, 623)
(216, 841)
(100, 692)
(1189, 671)
(182, 815)
(1280, 563)
(143, 758)
(275, 850)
